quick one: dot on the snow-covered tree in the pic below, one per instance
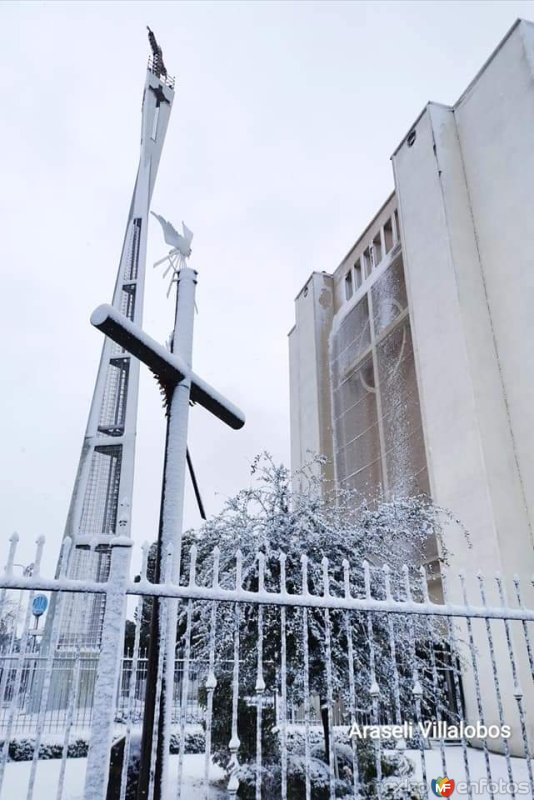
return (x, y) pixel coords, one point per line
(9, 612)
(393, 652)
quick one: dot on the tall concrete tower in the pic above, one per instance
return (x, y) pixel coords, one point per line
(101, 500)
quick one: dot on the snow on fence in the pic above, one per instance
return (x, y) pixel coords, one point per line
(291, 681)
(74, 672)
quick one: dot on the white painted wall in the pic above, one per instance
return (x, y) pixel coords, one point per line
(495, 120)
(466, 199)
(311, 427)
(465, 191)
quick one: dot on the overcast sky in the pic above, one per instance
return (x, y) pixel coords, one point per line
(277, 155)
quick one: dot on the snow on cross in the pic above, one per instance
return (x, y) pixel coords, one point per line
(173, 371)
(168, 367)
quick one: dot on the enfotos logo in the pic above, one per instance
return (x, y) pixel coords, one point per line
(442, 787)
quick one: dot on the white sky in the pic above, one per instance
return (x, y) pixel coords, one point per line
(277, 155)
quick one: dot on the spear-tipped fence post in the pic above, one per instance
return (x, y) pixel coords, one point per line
(102, 723)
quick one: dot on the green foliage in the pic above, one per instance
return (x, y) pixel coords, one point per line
(221, 727)
(22, 749)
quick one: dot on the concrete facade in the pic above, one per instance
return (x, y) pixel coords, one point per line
(464, 210)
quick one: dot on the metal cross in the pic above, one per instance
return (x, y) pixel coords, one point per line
(182, 387)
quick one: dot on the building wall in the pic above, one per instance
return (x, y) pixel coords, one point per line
(353, 387)
(468, 255)
(310, 407)
(499, 169)
(378, 439)
(464, 181)
(465, 192)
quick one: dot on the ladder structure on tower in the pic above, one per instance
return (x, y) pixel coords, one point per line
(100, 506)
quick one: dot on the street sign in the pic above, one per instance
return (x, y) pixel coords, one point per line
(39, 605)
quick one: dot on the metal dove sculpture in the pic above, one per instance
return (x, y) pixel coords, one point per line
(178, 242)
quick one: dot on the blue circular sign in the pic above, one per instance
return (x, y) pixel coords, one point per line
(39, 604)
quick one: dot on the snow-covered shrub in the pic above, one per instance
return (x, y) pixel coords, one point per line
(296, 785)
(22, 749)
(78, 748)
(397, 779)
(347, 543)
(246, 727)
(194, 741)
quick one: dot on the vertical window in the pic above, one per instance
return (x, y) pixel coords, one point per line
(377, 250)
(396, 229)
(378, 433)
(132, 257)
(155, 124)
(388, 236)
(367, 262)
(349, 286)
(358, 273)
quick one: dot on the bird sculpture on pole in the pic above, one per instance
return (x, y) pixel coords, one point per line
(181, 243)
(180, 248)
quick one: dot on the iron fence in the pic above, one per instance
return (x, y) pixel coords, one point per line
(72, 683)
(280, 691)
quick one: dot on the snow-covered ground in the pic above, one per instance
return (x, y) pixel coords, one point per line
(477, 768)
(17, 774)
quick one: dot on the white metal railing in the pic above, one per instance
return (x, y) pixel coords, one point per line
(154, 65)
(237, 594)
(72, 687)
(266, 678)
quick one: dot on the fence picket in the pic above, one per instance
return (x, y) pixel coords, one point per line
(395, 622)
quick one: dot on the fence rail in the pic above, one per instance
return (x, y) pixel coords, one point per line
(77, 696)
(348, 601)
(275, 685)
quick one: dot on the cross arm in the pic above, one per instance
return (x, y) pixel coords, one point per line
(169, 367)
(210, 399)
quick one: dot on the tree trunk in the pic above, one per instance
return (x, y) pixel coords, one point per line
(326, 728)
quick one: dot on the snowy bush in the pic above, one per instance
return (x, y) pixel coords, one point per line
(396, 783)
(392, 652)
(194, 742)
(22, 749)
(397, 772)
